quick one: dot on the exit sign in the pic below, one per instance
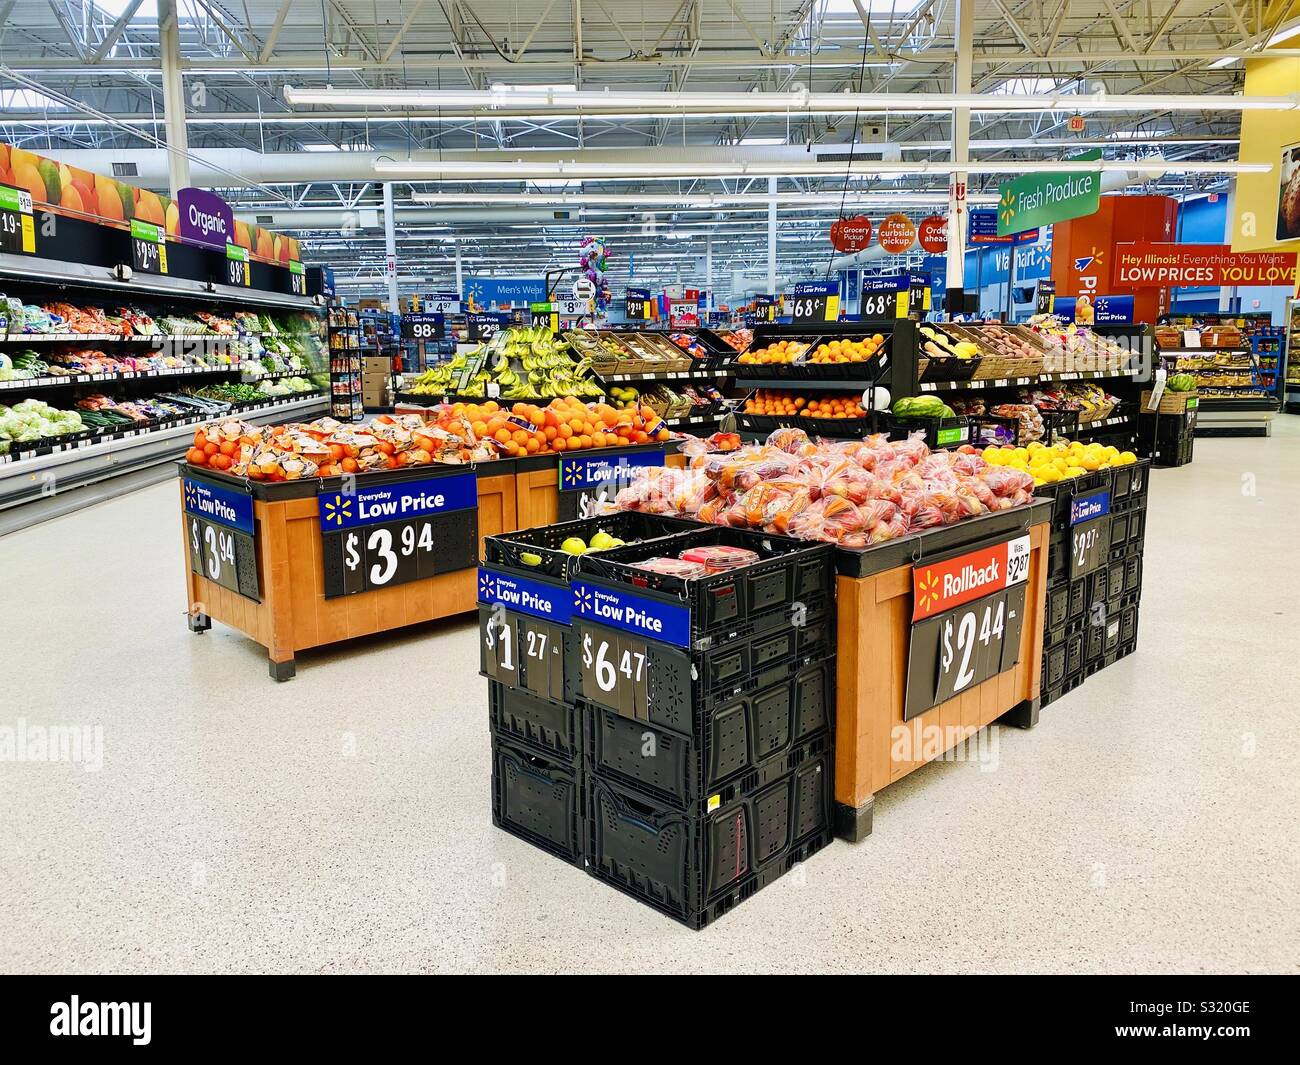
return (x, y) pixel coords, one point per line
(1075, 124)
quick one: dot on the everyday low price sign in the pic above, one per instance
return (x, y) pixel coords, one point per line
(549, 602)
(219, 531)
(382, 535)
(523, 629)
(640, 615)
(1089, 532)
(1040, 199)
(583, 472)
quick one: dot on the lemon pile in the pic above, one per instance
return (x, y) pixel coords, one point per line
(1059, 461)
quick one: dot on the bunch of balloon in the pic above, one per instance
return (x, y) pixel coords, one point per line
(592, 261)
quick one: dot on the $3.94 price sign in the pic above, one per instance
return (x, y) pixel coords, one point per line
(613, 670)
(378, 536)
(967, 617)
(219, 532)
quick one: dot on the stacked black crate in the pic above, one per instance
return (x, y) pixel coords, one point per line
(708, 709)
(525, 607)
(1094, 575)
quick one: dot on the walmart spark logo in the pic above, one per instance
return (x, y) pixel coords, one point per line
(1084, 262)
(570, 474)
(338, 509)
(927, 591)
(1006, 206)
(487, 588)
(582, 599)
(191, 496)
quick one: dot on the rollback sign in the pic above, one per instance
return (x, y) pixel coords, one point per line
(967, 616)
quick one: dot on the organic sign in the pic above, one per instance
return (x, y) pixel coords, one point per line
(1040, 199)
(897, 234)
(205, 218)
(1149, 265)
(851, 234)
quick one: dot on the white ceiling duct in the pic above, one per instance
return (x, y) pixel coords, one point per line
(310, 219)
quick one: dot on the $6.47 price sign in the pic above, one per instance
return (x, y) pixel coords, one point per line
(613, 670)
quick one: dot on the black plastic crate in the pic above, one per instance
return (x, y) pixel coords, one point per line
(742, 742)
(768, 640)
(1094, 641)
(544, 542)
(1058, 634)
(788, 572)
(1137, 527)
(1054, 666)
(539, 798)
(1097, 588)
(1119, 529)
(1074, 653)
(1078, 597)
(852, 373)
(1058, 605)
(1133, 574)
(939, 432)
(762, 424)
(694, 865)
(1130, 482)
(1128, 626)
(1115, 580)
(1067, 685)
(554, 727)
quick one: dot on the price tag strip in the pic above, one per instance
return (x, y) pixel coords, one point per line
(17, 225)
(523, 623)
(148, 248)
(219, 530)
(1089, 532)
(237, 266)
(967, 616)
(384, 535)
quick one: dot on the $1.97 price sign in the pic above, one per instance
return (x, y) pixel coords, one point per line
(522, 627)
(378, 536)
(967, 616)
(219, 532)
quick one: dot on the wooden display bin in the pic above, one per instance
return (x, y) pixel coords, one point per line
(874, 745)
(293, 613)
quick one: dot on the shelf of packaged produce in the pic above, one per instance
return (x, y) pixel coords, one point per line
(286, 373)
(1015, 382)
(138, 338)
(695, 419)
(664, 375)
(1105, 423)
(64, 380)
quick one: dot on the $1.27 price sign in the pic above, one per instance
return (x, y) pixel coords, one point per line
(522, 627)
(219, 532)
(378, 536)
(967, 616)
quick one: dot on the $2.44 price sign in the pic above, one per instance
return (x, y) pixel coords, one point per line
(379, 536)
(967, 616)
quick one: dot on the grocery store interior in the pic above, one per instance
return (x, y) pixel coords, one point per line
(659, 487)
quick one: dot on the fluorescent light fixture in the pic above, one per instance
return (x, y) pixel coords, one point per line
(798, 101)
(516, 169)
(336, 148)
(761, 140)
(702, 201)
(1283, 35)
(1226, 61)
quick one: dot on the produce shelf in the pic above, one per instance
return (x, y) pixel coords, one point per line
(63, 380)
(1105, 423)
(1013, 382)
(665, 375)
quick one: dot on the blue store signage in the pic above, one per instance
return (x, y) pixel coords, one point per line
(1085, 508)
(592, 471)
(1112, 310)
(550, 602)
(393, 502)
(649, 618)
(222, 505)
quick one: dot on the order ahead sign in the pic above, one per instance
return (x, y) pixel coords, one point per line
(1147, 265)
(1040, 199)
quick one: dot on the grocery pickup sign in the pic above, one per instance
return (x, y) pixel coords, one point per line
(1034, 200)
(1148, 265)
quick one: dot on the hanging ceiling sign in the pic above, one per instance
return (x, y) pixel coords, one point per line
(851, 234)
(933, 234)
(897, 234)
(1033, 200)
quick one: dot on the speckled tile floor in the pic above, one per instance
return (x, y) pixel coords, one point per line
(341, 821)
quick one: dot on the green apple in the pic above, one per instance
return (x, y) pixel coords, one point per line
(574, 546)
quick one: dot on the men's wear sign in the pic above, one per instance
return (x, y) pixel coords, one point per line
(384, 535)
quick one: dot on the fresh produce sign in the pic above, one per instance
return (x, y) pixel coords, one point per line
(382, 535)
(1034, 200)
(17, 227)
(523, 632)
(967, 615)
(219, 531)
(851, 234)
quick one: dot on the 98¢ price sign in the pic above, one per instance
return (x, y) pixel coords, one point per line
(379, 536)
(219, 535)
(522, 627)
(967, 617)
